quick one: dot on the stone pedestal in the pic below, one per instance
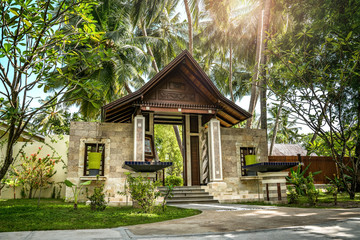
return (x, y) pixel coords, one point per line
(215, 158)
(274, 187)
(139, 138)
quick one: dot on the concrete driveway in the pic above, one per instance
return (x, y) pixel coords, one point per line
(226, 221)
(234, 218)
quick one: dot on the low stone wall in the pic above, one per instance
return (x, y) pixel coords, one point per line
(237, 188)
(119, 141)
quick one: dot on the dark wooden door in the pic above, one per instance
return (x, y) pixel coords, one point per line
(195, 161)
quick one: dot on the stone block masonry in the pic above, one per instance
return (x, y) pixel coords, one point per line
(119, 147)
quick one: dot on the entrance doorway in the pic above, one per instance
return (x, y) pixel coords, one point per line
(168, 149)
(186, 161)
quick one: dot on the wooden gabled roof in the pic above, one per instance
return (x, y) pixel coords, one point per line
(199, 95)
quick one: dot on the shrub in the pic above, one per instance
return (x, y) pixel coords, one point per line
(35, 172)
(293, 196)
(142, 191)
(311, 192)
(173, 180)
(97, 200)
(166, 195)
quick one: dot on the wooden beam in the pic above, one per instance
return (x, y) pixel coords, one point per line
(120, 118)
(183, 110)
(115, 111)
(224, 120)
(123, 113)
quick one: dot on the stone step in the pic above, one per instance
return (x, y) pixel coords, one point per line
(191, 194)
(201, 194)
(196, 200)
(205, 197)
(186, 188)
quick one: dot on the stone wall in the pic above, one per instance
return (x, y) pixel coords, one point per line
(239, 188)
(119, 147)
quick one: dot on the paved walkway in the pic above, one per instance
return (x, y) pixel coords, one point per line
(227, 221)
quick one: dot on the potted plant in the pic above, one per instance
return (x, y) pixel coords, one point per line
(94, 162)
(250, 159)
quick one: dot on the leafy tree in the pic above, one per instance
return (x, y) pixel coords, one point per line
(320, 83)
(33, 45)
(168, 150)
(287, 129)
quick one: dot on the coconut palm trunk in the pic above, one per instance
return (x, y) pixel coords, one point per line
(263, 83)
(277, 120)
(188, 14)
(263, 25)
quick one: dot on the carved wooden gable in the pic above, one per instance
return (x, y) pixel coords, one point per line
(175, 89)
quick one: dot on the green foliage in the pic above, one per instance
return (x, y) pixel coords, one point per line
(315, 69)
(172, 180)
(304, 186)
(168, 194)
(168, 148)
(143, 192)
(34, 172)
(97, 199)
(33, 46)
(297, 178)
(311, 192)
(293, 196)
(76, 190)
(13, 183)
(23, 215)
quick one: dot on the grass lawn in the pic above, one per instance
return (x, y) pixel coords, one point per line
(325, 201)
(24, 215)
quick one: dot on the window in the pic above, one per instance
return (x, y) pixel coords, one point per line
(94, 147)
(243, 152)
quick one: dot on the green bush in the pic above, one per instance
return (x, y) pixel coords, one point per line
(293, 196)
(97, 200)
(173, 180)
(143, 192)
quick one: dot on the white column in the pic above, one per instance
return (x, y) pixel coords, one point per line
(215, 158)
(139, 138)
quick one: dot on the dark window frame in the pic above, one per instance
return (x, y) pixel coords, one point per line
(96, 147)
(243, 152)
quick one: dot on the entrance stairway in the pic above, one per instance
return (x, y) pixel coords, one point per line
(189, 194)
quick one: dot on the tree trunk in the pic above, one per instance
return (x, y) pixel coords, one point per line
(9, 150)
(273, 139)
(178, 138)
(255, 77)
(38, 202)
(127, 88)
(263, 84)
(230, 76)
(153, 62)
(188, 14)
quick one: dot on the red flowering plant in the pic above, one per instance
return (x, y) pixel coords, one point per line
(35, 172)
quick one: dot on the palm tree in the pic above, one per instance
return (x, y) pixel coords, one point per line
(159, 25)
(123, 67)
(227, 32)
(53, 116)
(287, 129)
